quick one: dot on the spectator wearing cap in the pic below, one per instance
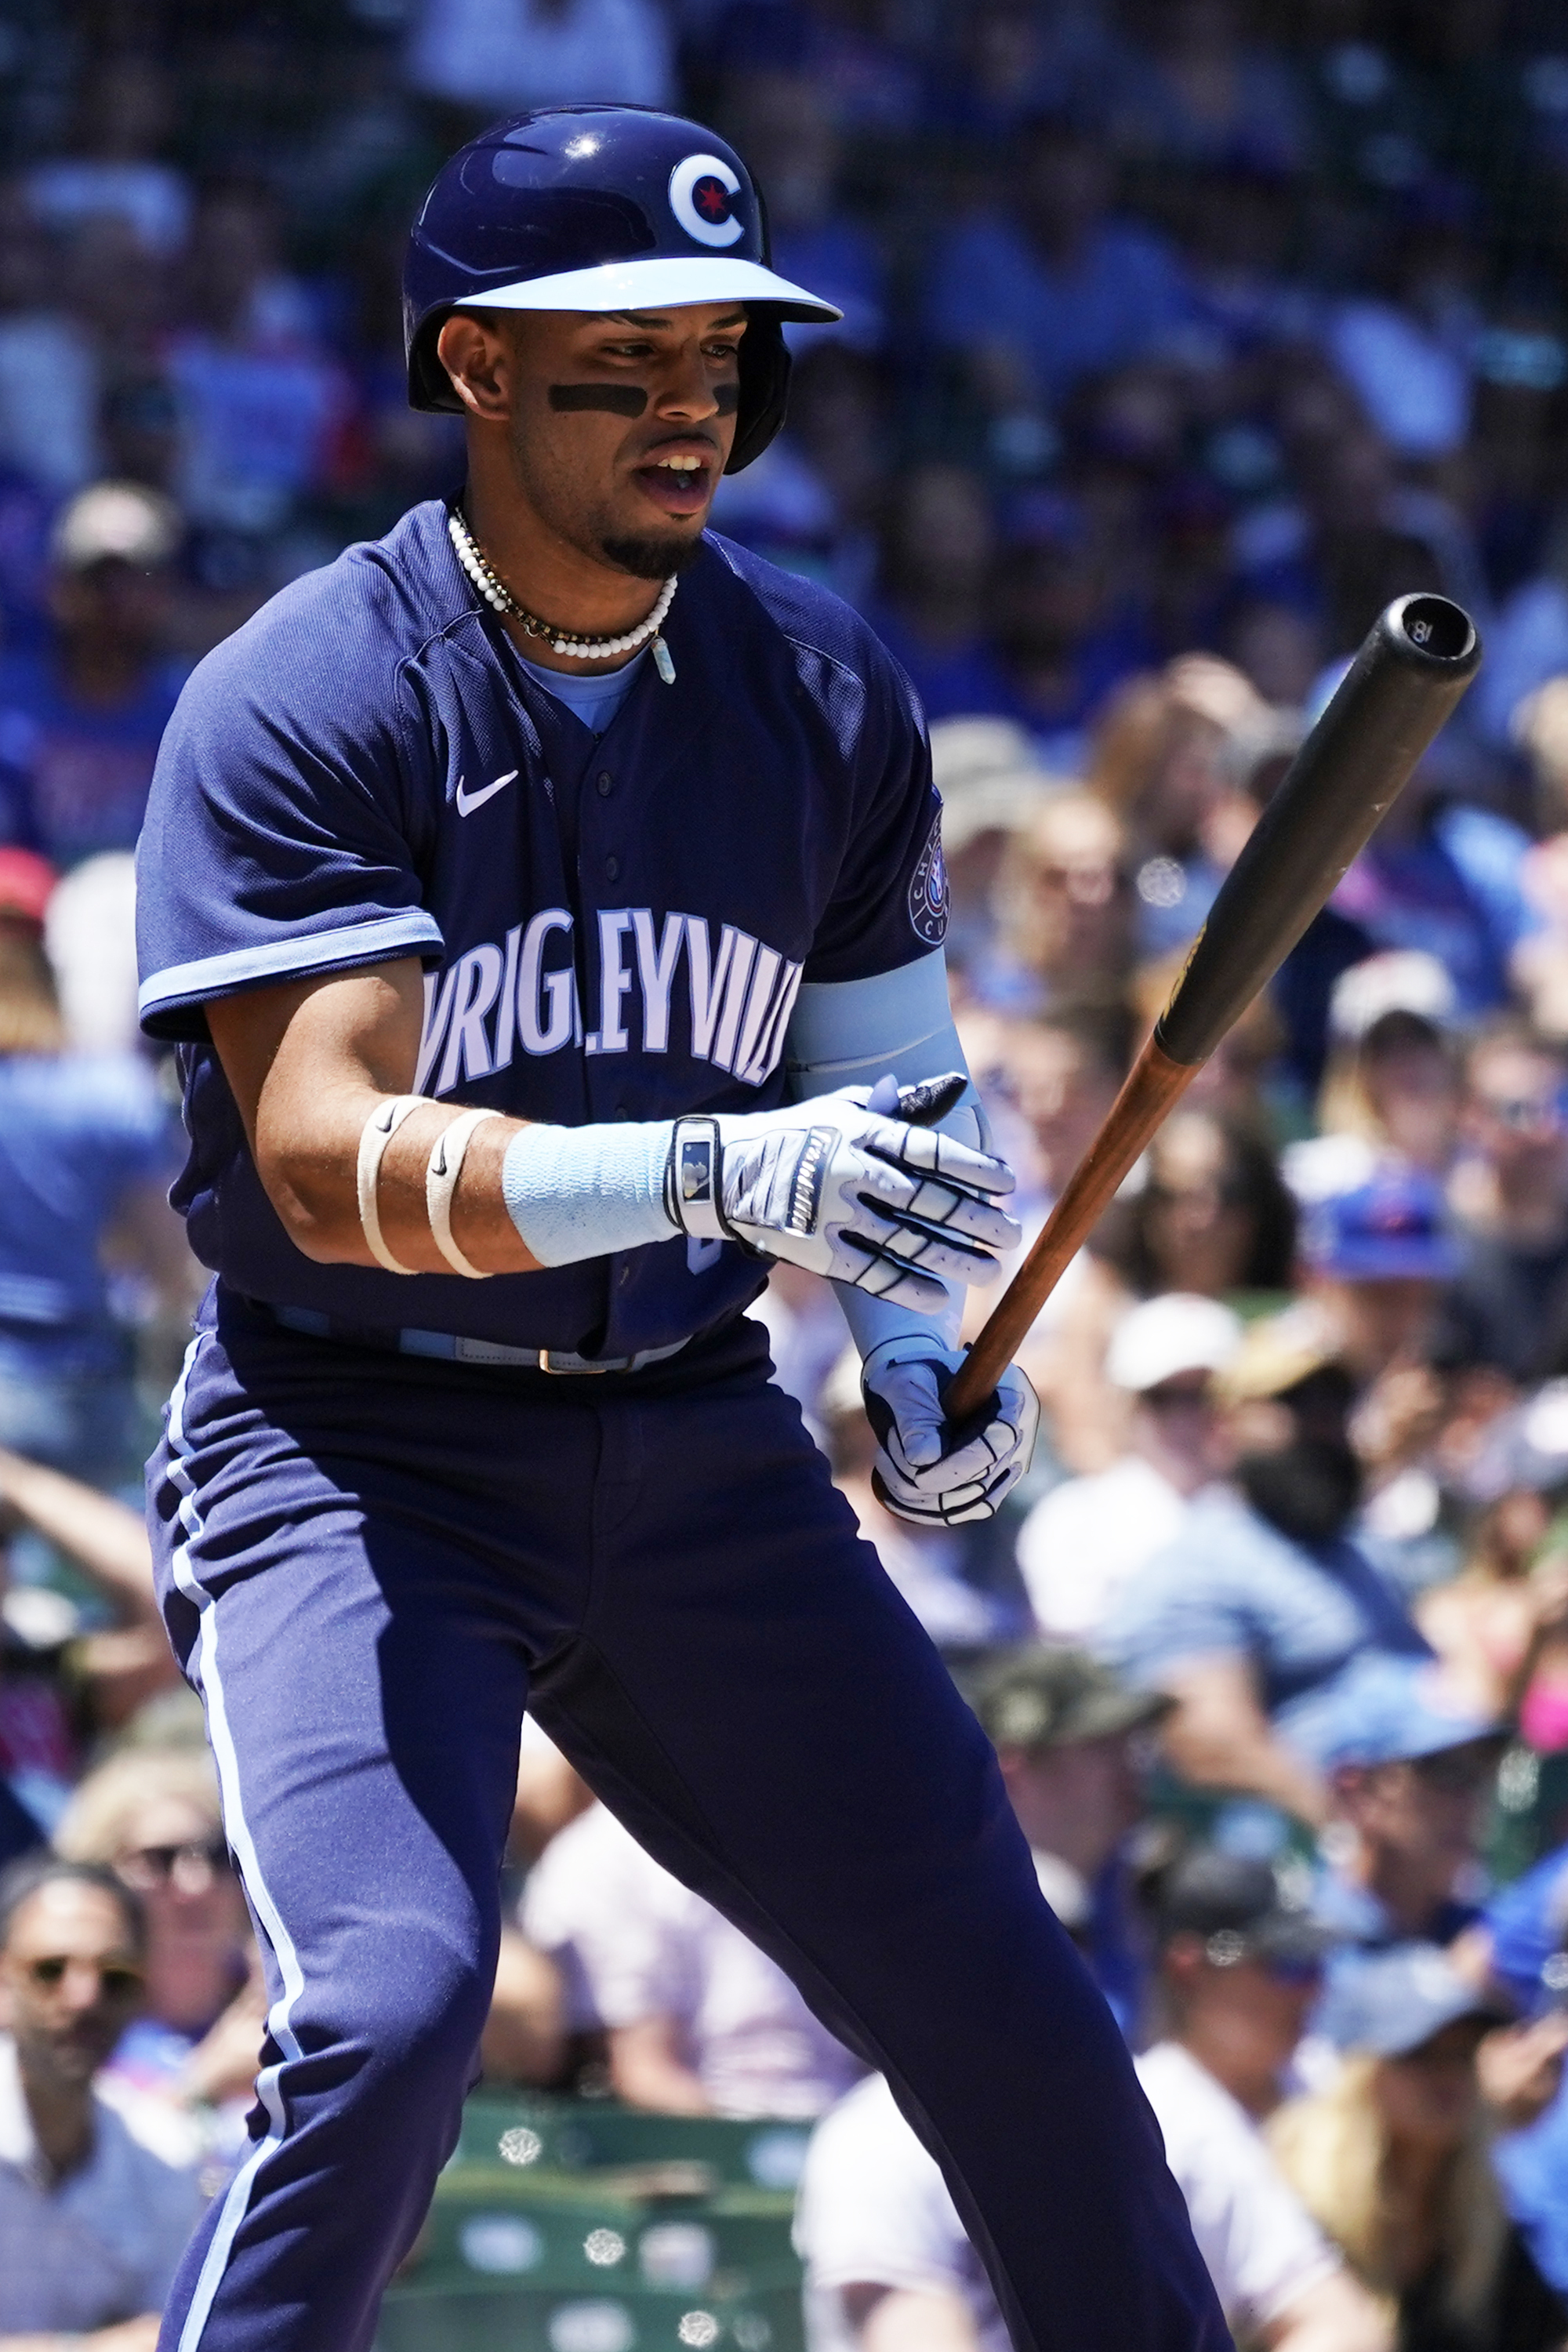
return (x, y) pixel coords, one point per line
(1411, 1767)
(1392, 1089)
(1082, 1541)
(991, 787)
(81, 718)
(1067, 1736)
(85, 1146)
(1528, 1925)
(889, 2264)
(1509, 1303)
(1392, 2161)
(1377, 1259)
(95, 2204)
(1263, 1597)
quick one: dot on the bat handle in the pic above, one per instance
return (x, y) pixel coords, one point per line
(1152, 1087)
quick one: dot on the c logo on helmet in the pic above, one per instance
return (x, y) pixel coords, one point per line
(701, 190)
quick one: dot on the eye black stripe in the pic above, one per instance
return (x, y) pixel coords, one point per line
(616, 399)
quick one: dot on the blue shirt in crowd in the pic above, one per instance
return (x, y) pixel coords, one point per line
(77, 1133)
(1528, 1923)
(1230, 1585)
(992, 286)
(80, 773)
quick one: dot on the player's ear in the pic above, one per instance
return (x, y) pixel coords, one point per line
(476, 352)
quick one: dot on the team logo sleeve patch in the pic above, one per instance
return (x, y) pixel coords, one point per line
(928, 889)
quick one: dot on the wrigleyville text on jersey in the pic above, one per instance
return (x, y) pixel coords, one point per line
(519, 995)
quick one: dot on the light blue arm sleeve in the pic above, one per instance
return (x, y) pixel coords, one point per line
(850, 1032)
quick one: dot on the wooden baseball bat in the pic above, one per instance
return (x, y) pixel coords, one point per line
(1416, 662)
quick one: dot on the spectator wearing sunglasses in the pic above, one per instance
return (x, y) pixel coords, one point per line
(151, 1816)
(889, 2265)
(1410, 1766)
(94, 2214)
(1393, 2159)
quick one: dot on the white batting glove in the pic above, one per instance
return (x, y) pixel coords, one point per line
(837, 1188)
(925, 1470)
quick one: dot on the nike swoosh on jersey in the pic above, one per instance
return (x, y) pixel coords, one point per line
(468, 801)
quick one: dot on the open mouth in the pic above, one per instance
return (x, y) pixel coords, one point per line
(679, 483)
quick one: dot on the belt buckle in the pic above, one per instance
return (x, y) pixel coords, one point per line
(566, 1371)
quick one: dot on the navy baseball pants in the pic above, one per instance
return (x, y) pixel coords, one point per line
(369, 1565)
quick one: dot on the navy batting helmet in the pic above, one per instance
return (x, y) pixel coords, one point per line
(601, 208)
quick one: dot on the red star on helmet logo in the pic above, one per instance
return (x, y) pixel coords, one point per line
(712, 199)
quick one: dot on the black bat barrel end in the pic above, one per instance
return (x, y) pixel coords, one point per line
(1432, 632)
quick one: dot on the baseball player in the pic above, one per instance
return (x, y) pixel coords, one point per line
(548, 902)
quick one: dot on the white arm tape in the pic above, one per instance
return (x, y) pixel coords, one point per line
(374, 1136)
(442, 1170)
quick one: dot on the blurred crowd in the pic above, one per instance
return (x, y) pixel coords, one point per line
(1180, 336)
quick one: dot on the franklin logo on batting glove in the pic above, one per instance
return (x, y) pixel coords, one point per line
(833, 1186)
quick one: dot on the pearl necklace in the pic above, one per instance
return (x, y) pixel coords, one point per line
(496, 592)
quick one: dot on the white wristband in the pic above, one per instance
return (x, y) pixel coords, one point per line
(374, 1136)
(444, 1166)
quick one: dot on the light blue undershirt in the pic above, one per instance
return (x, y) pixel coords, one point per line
(594, 701)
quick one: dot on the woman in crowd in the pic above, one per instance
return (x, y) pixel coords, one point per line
(151, 1815)
(1391, 2161)
(1213, 1214)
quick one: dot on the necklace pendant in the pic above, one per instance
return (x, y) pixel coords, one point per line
(662, 662)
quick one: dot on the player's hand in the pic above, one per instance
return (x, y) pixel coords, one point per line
(841, 1189)
(927, 1471)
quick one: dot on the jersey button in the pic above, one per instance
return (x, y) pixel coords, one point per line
(607, 783)
(613, 867)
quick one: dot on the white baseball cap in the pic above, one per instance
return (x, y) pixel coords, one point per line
(1178, 1332)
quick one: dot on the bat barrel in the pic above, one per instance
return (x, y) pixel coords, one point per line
(1412, 669)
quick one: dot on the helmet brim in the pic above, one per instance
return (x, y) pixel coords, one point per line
(638, 284)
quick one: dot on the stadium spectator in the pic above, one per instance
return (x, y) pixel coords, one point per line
(1527, 1926)
(112, 165)
(1212, 1215)
(1378, 1260)
(1411, 1767)
(1081, 1542)
(929, 604)
(1169, 756)
(94, 2208)
(151, 1817)
(889, 2265)
(1063, 910)
(991, 787)
(499, 60)
(1509, 1302)
(1392, 1089)
(1501, 1625)
(1262, 1601)
(1068, 1737)
(86, 1150)
(80, 719)
(260, 408)
(698, 2021)
(1036, 294)
(1391, 2161)
(49, 377)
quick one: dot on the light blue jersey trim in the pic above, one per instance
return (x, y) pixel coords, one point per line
(295, 958)
(204, 1673)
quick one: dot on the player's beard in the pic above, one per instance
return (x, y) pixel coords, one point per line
(557, 497)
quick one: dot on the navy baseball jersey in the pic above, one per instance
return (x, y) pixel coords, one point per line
(612, 928)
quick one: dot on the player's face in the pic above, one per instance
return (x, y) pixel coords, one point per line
(620, 425)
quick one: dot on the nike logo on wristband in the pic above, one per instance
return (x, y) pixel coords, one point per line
(468, 801)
